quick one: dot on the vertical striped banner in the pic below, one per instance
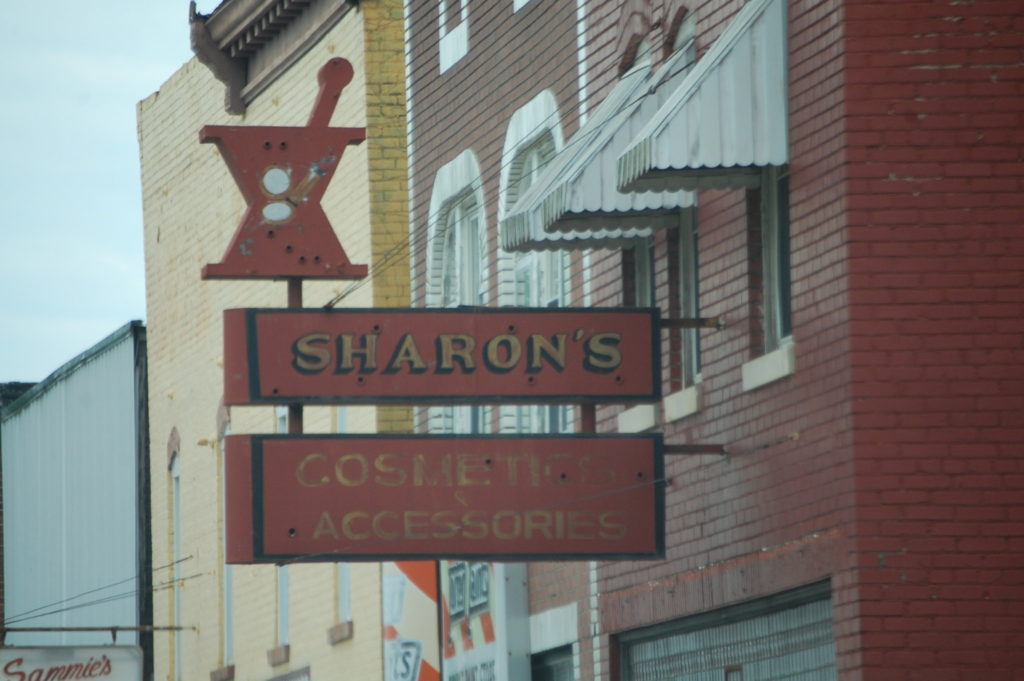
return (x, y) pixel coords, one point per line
(411, 650)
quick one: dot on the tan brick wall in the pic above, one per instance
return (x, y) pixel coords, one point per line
(388, 170)
(191, 209)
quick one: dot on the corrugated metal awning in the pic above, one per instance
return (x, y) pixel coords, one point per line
(574, 203)
(727, 118)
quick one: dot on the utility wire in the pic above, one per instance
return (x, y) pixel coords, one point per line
(419, 240)
(107, 599)
(27, 614)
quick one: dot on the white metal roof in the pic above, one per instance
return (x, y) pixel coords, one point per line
(574, 203)
(726, 119)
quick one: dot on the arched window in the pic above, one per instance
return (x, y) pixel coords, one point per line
(457, 268)
(537, 279)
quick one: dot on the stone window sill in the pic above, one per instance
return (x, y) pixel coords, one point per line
(683, 403)
(279, 655)
(638, 419)
(342, 631)
(225, 673)
(770, 367)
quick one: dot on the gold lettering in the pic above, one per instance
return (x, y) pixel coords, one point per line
(512, 466)
(580, 526)
(602, 354)
(406, 351)
(346, 525)
(347, 351)
(379, 530)
(493, 356)
(445, 519)
(308, 356)
(398, 474)
(537, 522)
(613, 525)
(448, 352)
(300, 472)
(597, 469)
(499, 533)
(415, 520)
(361, 463)
(325, 526)
(471, 520)
(422, 475)
(537, 347)
(549, 474)
(469, 467)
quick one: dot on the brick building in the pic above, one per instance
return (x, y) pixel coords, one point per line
(839, 184)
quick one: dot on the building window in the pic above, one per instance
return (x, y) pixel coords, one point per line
(552, 665)
(540, 283)
(776, 304)
(462, 282)
(282, 605)
(457, 265)
(453, 31)
(638, 274)
(689, 296)
(229, 616)
(176, 553)
(539, 276)
(775, 354)
(785, 636)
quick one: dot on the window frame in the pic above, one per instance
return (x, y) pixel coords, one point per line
(453, 38)
(775, 347)
(777, 308)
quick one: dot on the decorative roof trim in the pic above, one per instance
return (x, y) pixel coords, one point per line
(227, 39)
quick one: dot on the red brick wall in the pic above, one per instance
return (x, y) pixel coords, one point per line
(511, 58)
(904, 483)
(935, 97)
(774, 514)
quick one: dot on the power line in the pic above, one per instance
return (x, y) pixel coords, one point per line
(27, 614)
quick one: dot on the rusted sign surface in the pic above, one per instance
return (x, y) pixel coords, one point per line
(283, 173)
(382, 497)
(463, 355)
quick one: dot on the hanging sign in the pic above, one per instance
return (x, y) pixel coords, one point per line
(462, 355)
(396, 497)
(109, 663)
(283, 172)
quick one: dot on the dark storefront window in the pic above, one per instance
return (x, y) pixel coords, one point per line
(786, 636)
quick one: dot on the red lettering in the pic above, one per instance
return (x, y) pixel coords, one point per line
(11, 668)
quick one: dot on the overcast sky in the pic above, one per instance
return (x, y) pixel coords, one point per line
(71, 262)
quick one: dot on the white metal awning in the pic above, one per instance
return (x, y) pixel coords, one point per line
(574, 203)
(727, 118)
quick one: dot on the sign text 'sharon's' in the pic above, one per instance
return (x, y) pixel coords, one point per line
(414, 356)
(448, 353)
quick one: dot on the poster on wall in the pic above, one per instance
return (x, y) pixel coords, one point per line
(484, 621)
(409, 615)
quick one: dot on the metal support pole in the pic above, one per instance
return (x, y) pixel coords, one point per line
(696, 449)
(693, 323)
(295, 302)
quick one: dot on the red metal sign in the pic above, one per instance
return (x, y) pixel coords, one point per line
(463, 355)
(384, 497)
(283, 173)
